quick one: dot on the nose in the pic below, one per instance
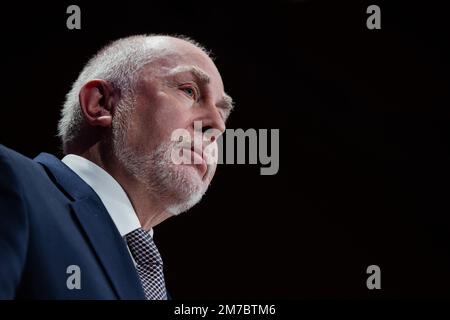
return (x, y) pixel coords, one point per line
(210, 117)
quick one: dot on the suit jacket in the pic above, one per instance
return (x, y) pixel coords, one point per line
(53, 224)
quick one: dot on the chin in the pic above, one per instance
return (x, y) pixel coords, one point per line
(180, 187)
(188, 188)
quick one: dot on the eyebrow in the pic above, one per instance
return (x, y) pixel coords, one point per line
(226, 103)
(198, 73)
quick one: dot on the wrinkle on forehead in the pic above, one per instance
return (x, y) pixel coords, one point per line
(174, 56)
(172, 64)
(197, 72)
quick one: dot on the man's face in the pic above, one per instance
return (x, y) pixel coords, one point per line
(174, 92)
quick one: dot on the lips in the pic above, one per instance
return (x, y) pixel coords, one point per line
(194, 156)
(198, 151)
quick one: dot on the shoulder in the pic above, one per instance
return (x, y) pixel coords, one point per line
(10, 158)
(11, 162)
(17, 169)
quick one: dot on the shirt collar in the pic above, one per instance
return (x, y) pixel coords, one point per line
(109, 191)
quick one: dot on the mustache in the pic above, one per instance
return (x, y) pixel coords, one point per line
(208, 151)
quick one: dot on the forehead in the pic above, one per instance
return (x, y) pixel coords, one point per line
(184, 59)
(188, 63)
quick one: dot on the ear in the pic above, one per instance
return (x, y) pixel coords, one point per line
(97, 100)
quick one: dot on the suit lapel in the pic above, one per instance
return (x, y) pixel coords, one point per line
(99, 229)
(109, 247)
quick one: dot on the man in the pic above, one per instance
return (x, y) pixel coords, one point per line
(82, 228)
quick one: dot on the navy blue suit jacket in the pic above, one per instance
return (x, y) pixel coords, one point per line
(50, 219)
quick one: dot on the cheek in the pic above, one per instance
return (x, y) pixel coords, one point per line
(135, 137)
(168, 115)
(141, 134)
(157, 115)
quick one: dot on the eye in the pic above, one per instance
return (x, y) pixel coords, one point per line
(191, 92)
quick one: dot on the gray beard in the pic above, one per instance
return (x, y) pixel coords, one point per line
(179, 187)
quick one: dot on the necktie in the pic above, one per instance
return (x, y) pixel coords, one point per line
(148, 264)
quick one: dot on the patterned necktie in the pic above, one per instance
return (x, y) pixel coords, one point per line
(148, 264)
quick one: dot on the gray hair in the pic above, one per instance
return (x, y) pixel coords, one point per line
(118, 63)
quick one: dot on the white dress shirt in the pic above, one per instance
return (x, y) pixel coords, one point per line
(109, 191)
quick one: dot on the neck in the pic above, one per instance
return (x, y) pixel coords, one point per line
(149, 209)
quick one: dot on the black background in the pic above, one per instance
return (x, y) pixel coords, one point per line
(364, 139)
